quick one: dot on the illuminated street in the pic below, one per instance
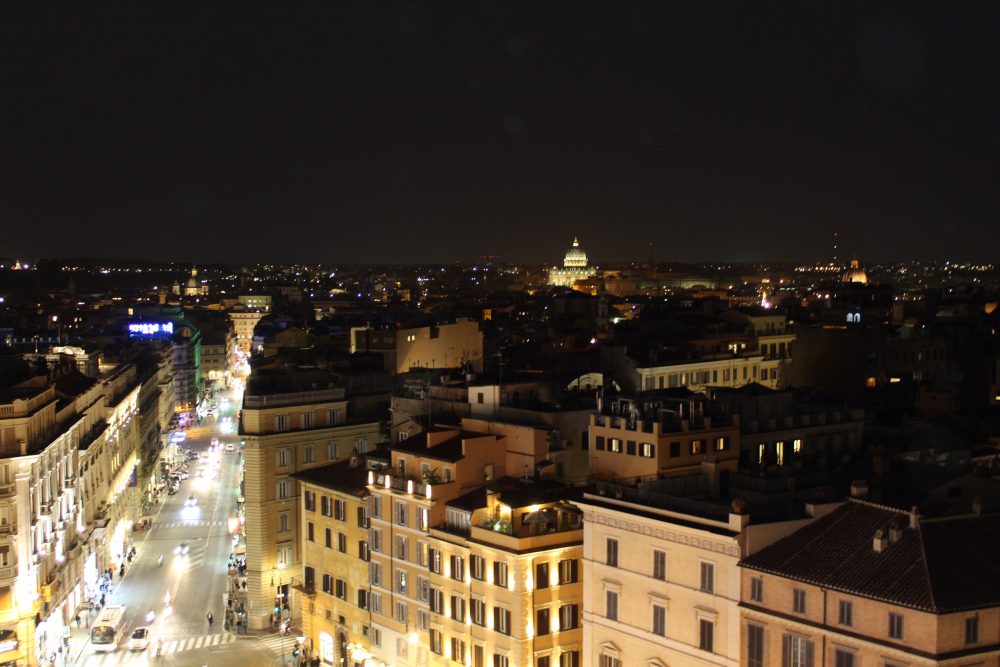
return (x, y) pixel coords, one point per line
(196, 581)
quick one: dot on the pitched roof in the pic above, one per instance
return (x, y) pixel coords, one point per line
(941, 566)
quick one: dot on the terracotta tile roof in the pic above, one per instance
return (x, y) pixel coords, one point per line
(940, 566)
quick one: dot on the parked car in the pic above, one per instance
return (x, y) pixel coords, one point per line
(174, 488)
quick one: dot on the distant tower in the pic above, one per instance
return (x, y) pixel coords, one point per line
(836, 243)
(652, 264)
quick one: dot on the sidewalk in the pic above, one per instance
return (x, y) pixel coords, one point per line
(79, 639)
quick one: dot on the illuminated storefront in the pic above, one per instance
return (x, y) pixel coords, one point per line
(49, 637)
(116, 545)
(9, 648)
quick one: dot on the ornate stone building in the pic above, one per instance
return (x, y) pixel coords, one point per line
(575, 267)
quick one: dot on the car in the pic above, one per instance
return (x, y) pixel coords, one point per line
(139, 639)
(204, 456)
(230, 447)
(200, 473)
(183, 474)
(190, 501)
(215, 442)
(174, 488)
(182, 549)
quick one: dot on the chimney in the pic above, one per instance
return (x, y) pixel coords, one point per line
(895, 532)
(914, 517)
(880, 542)
(859, 488)
(712, 470)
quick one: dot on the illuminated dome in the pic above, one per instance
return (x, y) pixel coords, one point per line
(575, 256)
(855, 274)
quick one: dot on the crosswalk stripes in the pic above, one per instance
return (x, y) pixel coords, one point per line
(126, 657)
(189, 523)
(278, 643)
(200, 641)
(194, 559)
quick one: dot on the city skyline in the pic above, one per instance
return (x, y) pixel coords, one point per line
(433, 134)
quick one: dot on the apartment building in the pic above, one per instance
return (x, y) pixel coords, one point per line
(660, 434)
(285, 430)
(458, 344)
(336, 617)
(470, 566)
(426, 471)
(67, 503)
(873, 585)
(778, 430)
(244, 320)
(504, 584)
(661, 576)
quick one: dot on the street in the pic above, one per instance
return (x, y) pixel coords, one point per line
(197, 582)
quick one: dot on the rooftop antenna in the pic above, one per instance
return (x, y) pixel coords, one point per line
(836, 245)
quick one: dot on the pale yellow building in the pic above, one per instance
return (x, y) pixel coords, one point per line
(334, 529)
(470, 566)
(661, 576)
(872, 586)
(284, 432)
(457, 344)
(244, 320)
(633, 440)
(66, 502)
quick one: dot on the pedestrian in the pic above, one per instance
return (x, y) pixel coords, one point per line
(211, 619)
(77, 620)
(246, 622)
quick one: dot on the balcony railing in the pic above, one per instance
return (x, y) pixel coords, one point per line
(403, 484)
(277, 400)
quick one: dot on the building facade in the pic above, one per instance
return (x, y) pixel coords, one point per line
(285, 433)
(872, 585)
(470, 566)
(457, 344)
(336, 617)
(575, 267)
(661, 577)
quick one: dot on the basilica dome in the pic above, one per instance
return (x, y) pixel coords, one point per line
(575, 256)
(855, 274)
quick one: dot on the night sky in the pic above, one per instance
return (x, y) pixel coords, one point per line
(377, 132)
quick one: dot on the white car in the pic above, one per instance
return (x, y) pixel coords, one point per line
(215, 442)
(139, 639)
(230, 447)
(191, 501)
(182, 549)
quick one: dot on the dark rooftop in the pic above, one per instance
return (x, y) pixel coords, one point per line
(25, 390)
(941, 566)
(339, 476)
(450, 450)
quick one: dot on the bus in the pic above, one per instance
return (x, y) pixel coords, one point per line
(109, 628)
